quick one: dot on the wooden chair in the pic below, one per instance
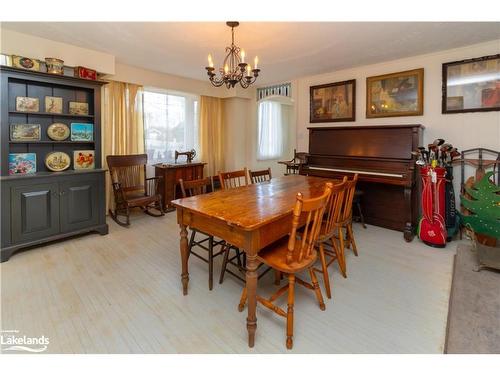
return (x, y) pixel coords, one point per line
(131, 188)
(292, 166)
(330, 228)
(229, 180)
(295, 254)
(190, 189)
(341, 224)
(260, 176)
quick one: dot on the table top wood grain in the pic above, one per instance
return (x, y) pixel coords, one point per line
(253, 206)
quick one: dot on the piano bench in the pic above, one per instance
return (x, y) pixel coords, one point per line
(356, 201)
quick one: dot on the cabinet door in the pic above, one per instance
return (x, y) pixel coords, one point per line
(35, 211)
(79, 204)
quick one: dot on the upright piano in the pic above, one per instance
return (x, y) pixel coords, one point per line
(381, 156)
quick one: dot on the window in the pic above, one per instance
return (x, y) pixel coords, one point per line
(170, 123)
(270, 133)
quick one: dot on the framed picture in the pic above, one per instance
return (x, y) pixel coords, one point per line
(395, 94)
(471, 85)
(53, 104)
(27, 104)
(78, 108)
(333, 102)
(25, 132)
(83, 159)
(82, 132)
(22, 163)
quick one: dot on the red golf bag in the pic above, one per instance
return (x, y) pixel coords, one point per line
(432, 227)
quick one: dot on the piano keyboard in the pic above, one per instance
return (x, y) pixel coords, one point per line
(358, 172)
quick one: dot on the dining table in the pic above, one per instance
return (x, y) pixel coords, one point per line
(249, 217)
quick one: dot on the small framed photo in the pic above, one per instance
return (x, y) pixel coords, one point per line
(78, 108)
(471, 85)
(22, 163)
(333, 102)
(53, 104)
(27, 104)
(25, 132)
(395, 94)
(82, 132)
(83, 159)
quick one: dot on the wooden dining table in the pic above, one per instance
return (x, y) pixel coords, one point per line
(250, 218)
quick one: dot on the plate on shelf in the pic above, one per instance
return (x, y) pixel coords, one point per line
(58, 131)
(57, 161)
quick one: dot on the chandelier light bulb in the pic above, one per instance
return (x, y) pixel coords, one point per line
(255, 62)
(210, 61)
(226, 69)
(249, 69)
(242, 53)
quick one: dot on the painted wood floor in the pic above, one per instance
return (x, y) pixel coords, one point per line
(121, 293)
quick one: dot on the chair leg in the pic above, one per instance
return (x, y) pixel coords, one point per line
(289, 314)
(210, 263)
(351, 237)
(361, 217)
(128, 215)
(238, 258)
(227, 247)
(317, 290)
(340, 256)
(277, 277)
(342, 262)
(326, 278)
(243, 300)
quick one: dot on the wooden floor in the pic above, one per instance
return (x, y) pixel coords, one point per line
(121, 293)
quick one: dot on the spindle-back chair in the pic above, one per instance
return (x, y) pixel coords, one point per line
(260, 176)
(294, 254)
(131, 188)
(190, 189)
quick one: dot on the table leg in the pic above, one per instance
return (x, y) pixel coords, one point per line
(184, 259)
(251, 280)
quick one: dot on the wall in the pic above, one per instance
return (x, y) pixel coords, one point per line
(468, 130)
(14, 43)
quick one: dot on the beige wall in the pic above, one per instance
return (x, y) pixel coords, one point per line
(468, 130)
(14, 43)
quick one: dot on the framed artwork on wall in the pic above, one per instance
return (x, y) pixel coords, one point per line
(471, 85)
(395, 94)
(333, 102)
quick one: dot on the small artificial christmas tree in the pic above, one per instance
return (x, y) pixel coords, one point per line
(484, 207)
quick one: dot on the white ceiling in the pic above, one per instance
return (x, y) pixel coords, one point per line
(286, 50)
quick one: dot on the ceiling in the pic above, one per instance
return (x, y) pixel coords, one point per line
(286, 50)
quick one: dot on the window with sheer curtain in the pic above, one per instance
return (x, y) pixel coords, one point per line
(170, 123)
(270, 130)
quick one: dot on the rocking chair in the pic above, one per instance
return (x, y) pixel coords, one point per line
(131, 188)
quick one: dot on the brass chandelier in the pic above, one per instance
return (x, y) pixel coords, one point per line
(234, 69)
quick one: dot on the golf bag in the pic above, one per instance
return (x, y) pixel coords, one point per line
(432, 227)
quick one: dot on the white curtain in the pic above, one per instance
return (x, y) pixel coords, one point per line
(271, 134)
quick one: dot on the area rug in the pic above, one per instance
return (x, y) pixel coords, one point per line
(474, 313)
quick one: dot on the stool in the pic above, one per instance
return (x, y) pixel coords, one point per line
(358, 194)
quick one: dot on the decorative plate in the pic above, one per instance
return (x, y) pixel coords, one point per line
(58, 131)
(57, 161)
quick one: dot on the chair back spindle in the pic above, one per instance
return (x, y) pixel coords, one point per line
(346, 210)
(333, 209)
(234, 179)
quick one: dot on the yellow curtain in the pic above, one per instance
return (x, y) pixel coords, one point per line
(212, 134)
(123, 128)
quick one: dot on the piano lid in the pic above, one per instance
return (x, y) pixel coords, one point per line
(381, 141)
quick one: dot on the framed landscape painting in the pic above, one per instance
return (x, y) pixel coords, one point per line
(333, 102)
(395, 94)
(82, 132)
(471, 85)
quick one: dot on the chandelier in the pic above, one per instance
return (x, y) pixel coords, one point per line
(234, 69)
